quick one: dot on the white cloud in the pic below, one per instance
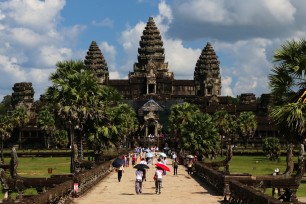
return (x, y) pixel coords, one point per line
(106, 22)
(32, 42)
(38, 15)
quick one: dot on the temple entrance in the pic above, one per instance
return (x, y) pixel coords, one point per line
(151, 88)
(151, 130)
(151, 124)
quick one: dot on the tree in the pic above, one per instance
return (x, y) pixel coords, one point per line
(288, 82)
(224, 124)
(271, 146)
(114, 129)
(247, 125)
(59, 139)
(72, 96)
(199, 134)
(179, 115)
(6, 128)
(5, 104)
(20, 118)
(46, 122)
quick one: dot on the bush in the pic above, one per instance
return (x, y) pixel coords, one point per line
(271, 146)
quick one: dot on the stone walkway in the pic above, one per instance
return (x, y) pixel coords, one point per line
(180, 189)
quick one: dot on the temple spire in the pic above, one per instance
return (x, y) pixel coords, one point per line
(207, 73)
(151, 44)
(95, 60)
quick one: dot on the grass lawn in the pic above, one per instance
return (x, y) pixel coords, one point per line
(262, 166)
(38, 166)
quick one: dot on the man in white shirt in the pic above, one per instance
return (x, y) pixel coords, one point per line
(138, 182)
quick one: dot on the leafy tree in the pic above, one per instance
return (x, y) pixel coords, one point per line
(288, 82)
(116, 127)
(5, 104)
(59, 139)
(224, 124)
(180, 114)
(247, 125)
(271, 146)
(6, 128)
(200, 134)
(46, 122)
(20, 119)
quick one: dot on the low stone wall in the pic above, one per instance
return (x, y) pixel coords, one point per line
(63, 192)
(241, 193)
(245, 188)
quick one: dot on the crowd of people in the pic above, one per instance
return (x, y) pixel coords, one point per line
(145, 156)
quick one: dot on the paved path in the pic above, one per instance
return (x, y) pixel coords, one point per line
(180, 189)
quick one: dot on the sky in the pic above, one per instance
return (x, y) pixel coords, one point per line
(36, 34)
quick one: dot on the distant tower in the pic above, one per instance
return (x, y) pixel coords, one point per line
(207, 73)
(23, 95)
(95, 60)
(151, 75)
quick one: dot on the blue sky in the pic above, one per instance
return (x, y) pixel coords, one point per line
(35, 34)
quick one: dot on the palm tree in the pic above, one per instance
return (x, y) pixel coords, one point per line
(223, 122)
(73, 97)
(20, 119)
(288, 82)
(46, 122)
(247, 125)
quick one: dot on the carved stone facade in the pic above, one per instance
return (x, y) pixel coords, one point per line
(152, 80)
(151, 77)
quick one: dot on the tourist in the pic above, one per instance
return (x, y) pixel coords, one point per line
(276, 172)
(120, 172)
(165, 162)
(138, 182)
(134, 159)
(128, 160)
(175, 166)
(158, 176)
(143, 161)
(189, 167)
(174, 156)
(286, 196)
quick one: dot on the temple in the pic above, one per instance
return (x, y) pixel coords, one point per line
(151, 88)
(151, 77)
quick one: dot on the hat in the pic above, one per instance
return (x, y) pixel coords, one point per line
(276, 170)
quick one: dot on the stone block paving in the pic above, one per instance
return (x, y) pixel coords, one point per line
(180, 189)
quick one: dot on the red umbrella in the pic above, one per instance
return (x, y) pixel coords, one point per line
(162, 166)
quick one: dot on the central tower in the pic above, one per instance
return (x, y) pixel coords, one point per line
(151, 75)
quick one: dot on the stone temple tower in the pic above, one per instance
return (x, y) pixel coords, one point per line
(95, 60)
(151, 75)
(207, 73)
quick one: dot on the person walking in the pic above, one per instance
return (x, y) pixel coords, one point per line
(165, 162)
(138, 182)
(143, 161)
(120, 172)
(175, 166)
(189, 167)
(158, 177)
(276, 172)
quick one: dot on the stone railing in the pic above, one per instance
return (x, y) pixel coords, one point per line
(241, 193)
(60, 188)
(244, 188)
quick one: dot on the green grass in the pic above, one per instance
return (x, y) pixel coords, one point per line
(38, 166)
